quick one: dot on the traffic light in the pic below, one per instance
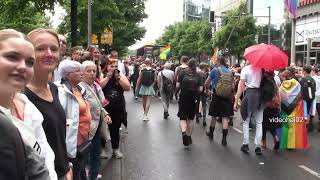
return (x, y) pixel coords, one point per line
(315, 44)
(211, 17)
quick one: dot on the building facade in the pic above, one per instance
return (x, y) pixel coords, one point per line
(307, 33)
(196, 9)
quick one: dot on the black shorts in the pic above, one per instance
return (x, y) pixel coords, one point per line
(187, 107)
(220, 107)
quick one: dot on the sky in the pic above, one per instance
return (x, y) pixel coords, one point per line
(166, 12)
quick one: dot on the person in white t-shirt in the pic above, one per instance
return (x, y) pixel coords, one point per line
(251, 107)
(316, 77)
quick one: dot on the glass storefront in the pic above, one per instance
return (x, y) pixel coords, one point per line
(301, 55)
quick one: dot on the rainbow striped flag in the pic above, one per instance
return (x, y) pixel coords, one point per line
(293, 131)
(215, 56)
(292, 6)
(166, 52)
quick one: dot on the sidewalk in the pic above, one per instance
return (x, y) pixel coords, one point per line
(112, 168)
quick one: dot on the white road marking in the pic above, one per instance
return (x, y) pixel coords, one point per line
(261, 163)
(309, 171)
(236, 129)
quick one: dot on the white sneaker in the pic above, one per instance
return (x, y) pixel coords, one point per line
(104, 154)
(145, 117)
(117, 154)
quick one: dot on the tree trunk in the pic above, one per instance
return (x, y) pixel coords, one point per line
(74, 24)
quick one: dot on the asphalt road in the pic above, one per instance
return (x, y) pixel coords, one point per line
(154, 151)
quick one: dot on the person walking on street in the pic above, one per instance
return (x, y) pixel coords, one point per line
(222, 82)
(165, 82)
(251, 107)
(316, 77)
(308, 86)
(146, 81)
(202, 102)
(184, 65)
(189, 82)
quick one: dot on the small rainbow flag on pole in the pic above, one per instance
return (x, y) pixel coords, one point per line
(292, 6)
(215, 56)
(166, 52)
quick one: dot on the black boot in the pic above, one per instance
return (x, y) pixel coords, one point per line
(210, 133)
(204, 123)
(224, 137)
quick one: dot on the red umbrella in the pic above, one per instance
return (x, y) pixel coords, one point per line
(266, 56)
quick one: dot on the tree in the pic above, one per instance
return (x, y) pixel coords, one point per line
(24, 20)
(122, 16)
(188, 38)
(243, 34)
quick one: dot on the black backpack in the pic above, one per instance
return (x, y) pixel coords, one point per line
(147, 77)
(190, 82)
(268, 87)
(308, 87)
(167, 85)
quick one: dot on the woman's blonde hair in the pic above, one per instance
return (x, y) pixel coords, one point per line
(37, 31)
(11, 33)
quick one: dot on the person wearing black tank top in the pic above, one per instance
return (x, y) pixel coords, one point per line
(113, 86)
(44, 95)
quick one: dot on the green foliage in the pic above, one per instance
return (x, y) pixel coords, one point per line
(188, 38)
(242, 36)
(23, 17)
(123, 16)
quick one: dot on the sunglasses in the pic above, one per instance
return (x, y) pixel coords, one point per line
(111, 61)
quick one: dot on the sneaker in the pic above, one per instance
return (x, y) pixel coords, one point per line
(145, 118)
(117, 154)
(204, 123)
(104, 154)
(136, 97)
(258, 151)
(165, 115)
(245, 148)
(185, 140)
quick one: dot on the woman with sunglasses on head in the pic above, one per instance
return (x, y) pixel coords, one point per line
(113, 85)
(16, 67)
(44, 95)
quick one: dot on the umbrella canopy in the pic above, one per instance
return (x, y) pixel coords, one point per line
(266, 56)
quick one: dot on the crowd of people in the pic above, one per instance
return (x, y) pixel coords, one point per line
(59, 113)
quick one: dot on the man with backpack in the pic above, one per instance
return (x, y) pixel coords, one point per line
(190, 84)
(308, 87)
(165, 83)
(145, 82)
(222, 82)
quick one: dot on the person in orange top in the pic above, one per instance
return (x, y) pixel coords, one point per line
(84, 118)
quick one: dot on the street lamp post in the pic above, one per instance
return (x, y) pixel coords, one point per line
(269, 26)
(89, 23)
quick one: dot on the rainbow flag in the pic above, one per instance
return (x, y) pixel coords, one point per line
(292, 6)
(215, 56)
(293, 132)
(166, 52)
